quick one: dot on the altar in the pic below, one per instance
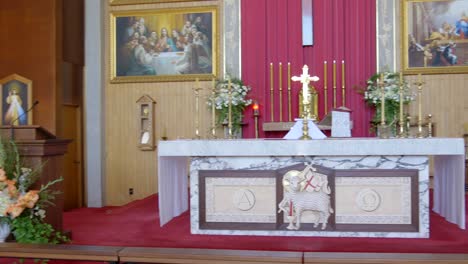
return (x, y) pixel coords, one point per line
(218, 168)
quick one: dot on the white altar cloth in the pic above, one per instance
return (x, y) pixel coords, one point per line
(449, 164)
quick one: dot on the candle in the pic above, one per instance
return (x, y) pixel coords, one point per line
(334, 73)
(271, 92)
(289, 93)
(213, 105)
(325, 80)
(401, 99)
(334, 83)
(230, 109)
(343, 99)
(280, 92)
(382, 100)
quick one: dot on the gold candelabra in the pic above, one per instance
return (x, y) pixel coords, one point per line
(230, 135)
(419, 83)
(401, 132)
(213, 108)
(429, 125)
(196, 89)
(256, 113)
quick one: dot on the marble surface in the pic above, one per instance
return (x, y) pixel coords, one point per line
(325, 147)
(449, 164)
(271, 163)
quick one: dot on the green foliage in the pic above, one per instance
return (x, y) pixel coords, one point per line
(238, 101)
(27, 229)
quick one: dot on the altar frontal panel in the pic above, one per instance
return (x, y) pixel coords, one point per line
(355, 200)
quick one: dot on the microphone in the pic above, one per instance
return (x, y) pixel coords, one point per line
(12, 135)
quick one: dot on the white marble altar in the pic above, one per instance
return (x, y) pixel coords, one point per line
(174, 157)
(356, 162)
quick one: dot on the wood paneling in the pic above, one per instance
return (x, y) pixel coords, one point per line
(126, 165)
(28, 46)
(445, 97)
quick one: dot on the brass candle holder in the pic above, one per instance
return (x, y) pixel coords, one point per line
(401, 123)
(256, 114)
(230, 135)
(408, 126)
(197, 110)
(419, 83)
(429, 125)
(213, 109)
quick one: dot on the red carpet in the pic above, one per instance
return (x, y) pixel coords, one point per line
(137, 224)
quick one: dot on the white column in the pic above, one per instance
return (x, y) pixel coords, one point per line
(93, 103)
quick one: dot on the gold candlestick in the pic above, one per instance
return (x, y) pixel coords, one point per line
(334, 83)
(325, 88)
(256, 113)
(382, 100)
(419, 83)
(230, 109)
(289, 93)
(343, 93)
(281, 92)
(429, 125)
(271, 93)
(213, 108)
(197, 108)
(401, 121)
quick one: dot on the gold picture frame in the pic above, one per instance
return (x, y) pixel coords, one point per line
(434, 36)
(139, 2)
(164, 45)
(16, 100)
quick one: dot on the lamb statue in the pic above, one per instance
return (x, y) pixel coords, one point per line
(297, 198)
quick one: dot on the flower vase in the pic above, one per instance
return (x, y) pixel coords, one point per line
(4, 231)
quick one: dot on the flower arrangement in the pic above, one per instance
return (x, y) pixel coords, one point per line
(22, 210)
(239, 101)
(373, 96)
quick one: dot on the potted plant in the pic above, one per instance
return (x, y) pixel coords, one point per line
(238, 100)
(21, 208)
(373, 97)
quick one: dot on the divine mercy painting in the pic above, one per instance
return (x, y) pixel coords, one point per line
(164, 45)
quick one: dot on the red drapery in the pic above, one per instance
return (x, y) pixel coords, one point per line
(272, 32)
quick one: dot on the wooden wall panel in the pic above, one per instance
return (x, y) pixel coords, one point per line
(29, 46)
(126, 165)
(446, 98)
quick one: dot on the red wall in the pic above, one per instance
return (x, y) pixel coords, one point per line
(272, 32)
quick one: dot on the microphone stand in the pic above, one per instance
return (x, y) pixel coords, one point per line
(12, 133)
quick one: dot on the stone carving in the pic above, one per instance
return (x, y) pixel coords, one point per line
(305, 190)
(244, 199)
(368, 200)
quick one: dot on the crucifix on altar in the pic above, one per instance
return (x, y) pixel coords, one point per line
(309, 129)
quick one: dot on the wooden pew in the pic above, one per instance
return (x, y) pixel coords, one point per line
(206, 256)
(383, 258)
(61, 252)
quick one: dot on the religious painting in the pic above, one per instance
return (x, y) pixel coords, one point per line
(434, 36)
(16, 100)
(164, 45)
(133, 2)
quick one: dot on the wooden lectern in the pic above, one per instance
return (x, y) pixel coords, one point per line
(37, 146)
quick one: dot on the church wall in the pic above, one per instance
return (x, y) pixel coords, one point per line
(126, 165)
(30, 47)
(444, 95)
